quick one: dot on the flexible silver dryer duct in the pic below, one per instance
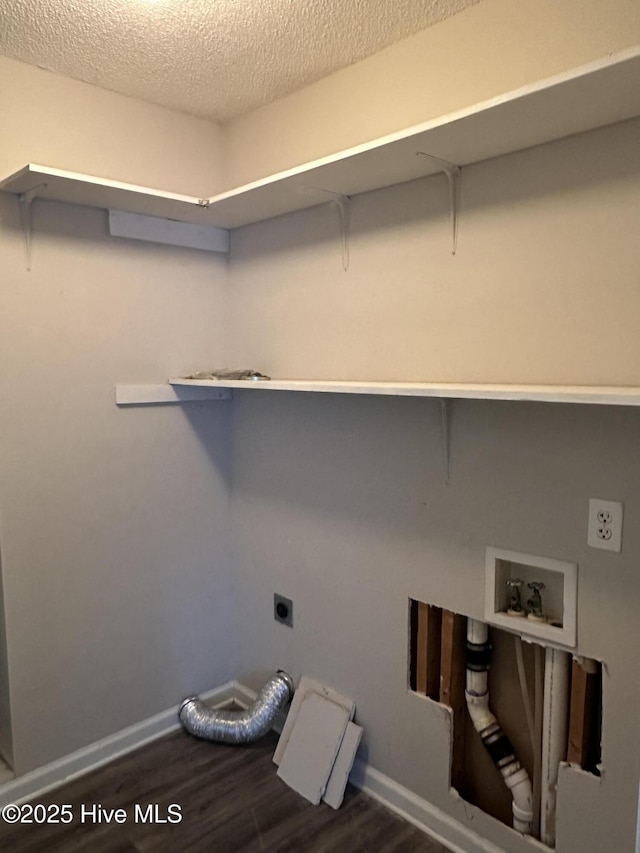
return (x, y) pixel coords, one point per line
(494, 739)
(239, 726)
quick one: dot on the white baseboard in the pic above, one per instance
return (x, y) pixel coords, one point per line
(103, 751)
(421, 813)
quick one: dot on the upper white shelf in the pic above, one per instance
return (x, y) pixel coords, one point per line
(87, 190)
(592, 96)
(588, 97)
(589, 394)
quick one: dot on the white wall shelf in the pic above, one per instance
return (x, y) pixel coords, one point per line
(76, 188)
(588, 97)
(183, 390)
(602, 395)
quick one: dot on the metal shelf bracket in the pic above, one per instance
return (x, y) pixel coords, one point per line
(453, 173)
(25, 200)
(343, 203)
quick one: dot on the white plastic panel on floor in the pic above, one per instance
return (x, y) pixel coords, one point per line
(313, 746)
(307, 686)
(334, 792)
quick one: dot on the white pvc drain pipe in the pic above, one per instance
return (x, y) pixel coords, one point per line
(557, 669)
(493, 738)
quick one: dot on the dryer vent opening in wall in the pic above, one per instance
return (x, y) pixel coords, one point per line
(560, 720)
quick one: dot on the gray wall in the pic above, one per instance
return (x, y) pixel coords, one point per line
(339, 503)
(113, 523)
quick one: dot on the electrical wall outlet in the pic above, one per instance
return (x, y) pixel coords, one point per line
(605, 525)
(283, 610)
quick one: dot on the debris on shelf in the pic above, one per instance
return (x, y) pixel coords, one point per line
(227, 373)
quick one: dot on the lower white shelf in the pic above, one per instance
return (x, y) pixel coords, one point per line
(587, 394)
(183, 390)
(187, 390)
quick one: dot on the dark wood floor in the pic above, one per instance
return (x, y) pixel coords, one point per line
(230, 800)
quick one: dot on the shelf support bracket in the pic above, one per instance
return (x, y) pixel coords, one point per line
(453, 173)
(25, 200)
(445, 416)
(342, 202)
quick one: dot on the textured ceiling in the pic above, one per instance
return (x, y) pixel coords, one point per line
(211, 58)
